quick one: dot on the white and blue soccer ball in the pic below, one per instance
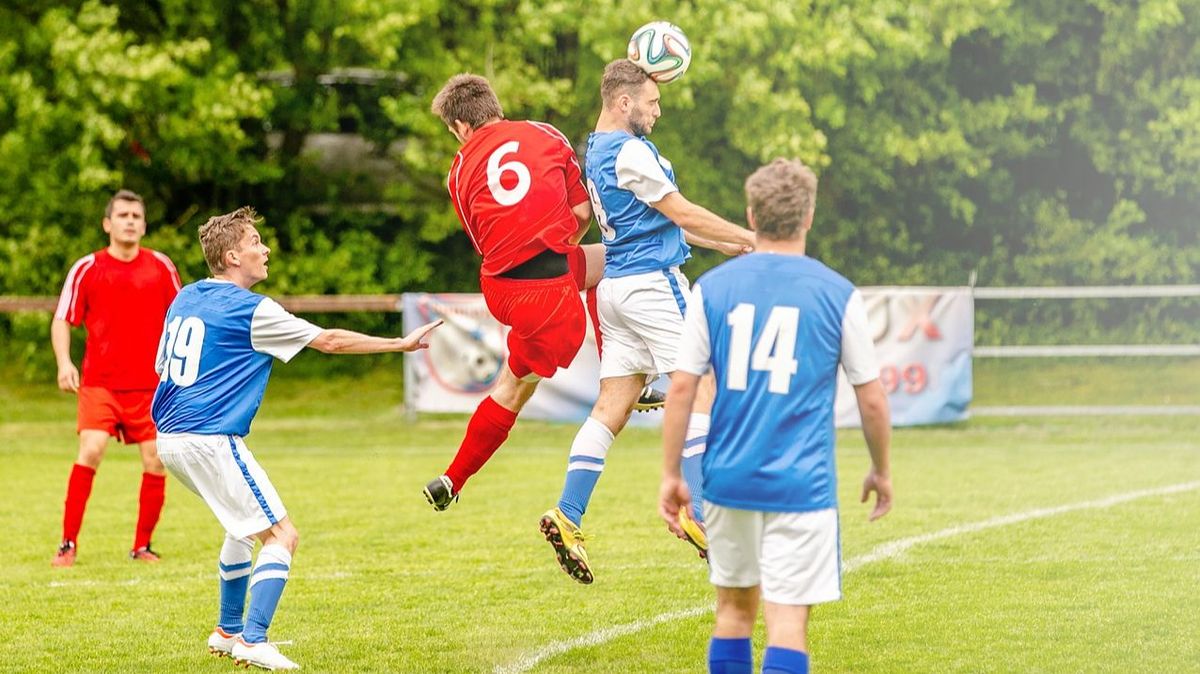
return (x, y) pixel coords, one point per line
(662, 50)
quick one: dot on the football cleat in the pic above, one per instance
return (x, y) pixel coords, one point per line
(440, 493)
(264, 655)
(65, 556)
(568, 541)
(695, 533)
(650, 399)
(220, 643)
(144, 554)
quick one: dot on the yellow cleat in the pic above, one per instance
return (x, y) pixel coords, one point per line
(695, 533)
(568, 541)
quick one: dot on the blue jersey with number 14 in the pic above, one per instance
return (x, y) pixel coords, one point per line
(775, 327)
(212, 380)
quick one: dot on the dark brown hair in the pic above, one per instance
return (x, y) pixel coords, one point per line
(467, 98)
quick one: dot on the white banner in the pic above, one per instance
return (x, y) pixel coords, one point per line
(465, 355)
(923, 337)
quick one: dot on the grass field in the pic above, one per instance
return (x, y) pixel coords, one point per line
(382, 583)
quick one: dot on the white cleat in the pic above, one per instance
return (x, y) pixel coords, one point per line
(264, 656)
(220, 643)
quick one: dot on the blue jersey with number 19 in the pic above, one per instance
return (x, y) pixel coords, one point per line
(215, 357)
(774, 329)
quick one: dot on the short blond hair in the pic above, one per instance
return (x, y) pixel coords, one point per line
(782, 196)
(621, 77)
(467, 98)
(223, 233)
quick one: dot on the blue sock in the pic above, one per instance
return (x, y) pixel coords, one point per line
(729, 656)
(266, 586)
(693, 457)
(784, 661)
(583, 468)
(233, 572)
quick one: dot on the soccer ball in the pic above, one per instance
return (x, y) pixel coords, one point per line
(662, 50)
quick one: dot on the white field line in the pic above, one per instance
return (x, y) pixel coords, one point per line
(881, 553)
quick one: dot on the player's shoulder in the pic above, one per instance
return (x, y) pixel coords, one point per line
(84, 263)
(544, 129)
(160, 258)
(777, 267)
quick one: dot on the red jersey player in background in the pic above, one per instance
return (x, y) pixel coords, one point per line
(517, 188)
(120, 294)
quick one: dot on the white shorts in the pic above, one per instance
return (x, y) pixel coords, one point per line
(641, 321)
(796, 557)
(223, 472)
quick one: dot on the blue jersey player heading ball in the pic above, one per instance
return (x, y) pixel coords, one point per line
(219, 341)
(646, 226)
(773, 327)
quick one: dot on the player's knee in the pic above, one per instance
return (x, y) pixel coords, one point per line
(90, 454)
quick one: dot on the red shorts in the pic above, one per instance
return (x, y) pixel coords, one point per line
(125, 415)
(577, 264)
(547, 320)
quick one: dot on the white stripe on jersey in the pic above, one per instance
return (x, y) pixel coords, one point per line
(549, 130)
(452, 185)
(68, 299)
(172, 272)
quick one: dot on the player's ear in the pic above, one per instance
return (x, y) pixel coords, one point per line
(750, 218)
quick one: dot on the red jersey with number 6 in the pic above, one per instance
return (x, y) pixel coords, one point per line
(513, 185)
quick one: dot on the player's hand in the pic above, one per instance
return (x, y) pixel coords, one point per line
(882, 486)
(416, 339)
(68, 378)
(733, 249)
(673, 496)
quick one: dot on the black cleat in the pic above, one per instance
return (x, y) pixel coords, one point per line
(440, 493)
(651, 399)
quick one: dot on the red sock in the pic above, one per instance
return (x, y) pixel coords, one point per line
(486, 431)
(150, 503)
(79, 488)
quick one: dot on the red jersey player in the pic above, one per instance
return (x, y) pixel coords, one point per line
(517, 188)
(120, 294)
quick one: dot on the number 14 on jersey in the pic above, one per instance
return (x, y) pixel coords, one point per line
(774, 352)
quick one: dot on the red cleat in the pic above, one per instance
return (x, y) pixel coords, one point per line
(65, 556)
(144, 554)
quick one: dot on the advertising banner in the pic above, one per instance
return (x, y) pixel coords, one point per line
(923, 338)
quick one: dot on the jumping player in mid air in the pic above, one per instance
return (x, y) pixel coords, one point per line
(644, 221)
(516, 186)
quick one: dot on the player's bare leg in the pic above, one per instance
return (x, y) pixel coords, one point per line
(787, 637)
(267, 582)
(486, 431)
(737, 608)
(560, 525)
(92, 444)
(150, 501)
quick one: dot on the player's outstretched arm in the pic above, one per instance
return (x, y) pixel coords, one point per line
(348, 341)
(877, 428)
(60, 341)
(730, 249)
(701, 222)
(673, 494)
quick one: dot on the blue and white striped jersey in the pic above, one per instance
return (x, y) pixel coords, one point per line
(625, 174)
(215, 357)
(774, 329)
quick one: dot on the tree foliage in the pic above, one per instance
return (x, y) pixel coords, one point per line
(1031, 141)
